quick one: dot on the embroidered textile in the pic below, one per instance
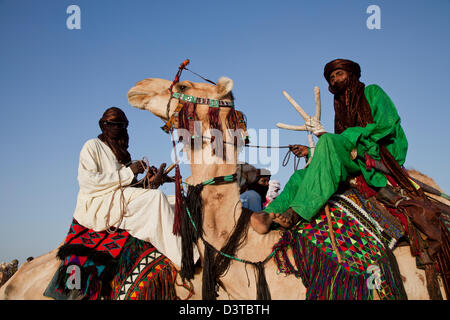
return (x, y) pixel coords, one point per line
(363, 240)
(151, 276)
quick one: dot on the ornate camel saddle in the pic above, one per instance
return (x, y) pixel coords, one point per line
(110, 266)
(364, 237)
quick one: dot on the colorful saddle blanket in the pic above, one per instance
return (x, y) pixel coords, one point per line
(364, 237)
(96, 264)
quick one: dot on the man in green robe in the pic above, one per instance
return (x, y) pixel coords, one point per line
(366, 123)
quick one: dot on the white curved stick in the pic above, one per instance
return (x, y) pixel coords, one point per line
(312, 147)
(291, 127)
(311, 123)
(318, 103)
(296, 106)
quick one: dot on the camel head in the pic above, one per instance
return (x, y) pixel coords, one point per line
(178, 109)
(154, 94)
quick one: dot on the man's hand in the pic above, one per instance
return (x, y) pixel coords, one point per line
(314, 126)
(167, 179)
(137, 167)
(158, 177)
(299, 150)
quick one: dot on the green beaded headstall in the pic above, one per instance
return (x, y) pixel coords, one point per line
(213, 103)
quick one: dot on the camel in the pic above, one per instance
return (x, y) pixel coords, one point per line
(221, 210)
(153, 95)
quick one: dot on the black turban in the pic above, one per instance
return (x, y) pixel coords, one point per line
(344, 64)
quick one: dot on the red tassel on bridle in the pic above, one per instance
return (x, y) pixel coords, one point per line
(178, 180)
(178, 202)
(214, 121)
(178, 211)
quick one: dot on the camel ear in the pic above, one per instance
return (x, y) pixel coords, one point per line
(224, 86)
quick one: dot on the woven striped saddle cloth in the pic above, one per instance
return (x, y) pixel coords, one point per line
(364, 236)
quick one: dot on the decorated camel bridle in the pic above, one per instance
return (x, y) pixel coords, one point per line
(184, 114)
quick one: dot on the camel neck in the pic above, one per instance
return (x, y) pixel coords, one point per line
(218, 219)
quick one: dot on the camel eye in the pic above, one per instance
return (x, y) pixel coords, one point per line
(182, 88)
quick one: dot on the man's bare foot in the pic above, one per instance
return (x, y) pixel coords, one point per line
(261, 221)
(286, 219)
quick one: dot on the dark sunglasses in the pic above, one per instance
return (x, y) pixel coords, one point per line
(122, 125)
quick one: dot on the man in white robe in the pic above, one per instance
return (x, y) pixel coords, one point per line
(106, 200)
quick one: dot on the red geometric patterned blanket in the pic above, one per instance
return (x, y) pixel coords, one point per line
(104, 242)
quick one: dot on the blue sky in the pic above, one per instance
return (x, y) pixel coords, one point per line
(55, 83)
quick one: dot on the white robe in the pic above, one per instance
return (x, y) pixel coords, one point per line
(149, 216)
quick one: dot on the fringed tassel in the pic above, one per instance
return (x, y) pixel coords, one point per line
(215, 264)
(187, 255)
(90, 283)
(178, 203)
(236, 120)
(391, 275)
(443, 259)
(237, 238)
(324, 278)
(233, 119)
(94, 284)
(183, 122)
(161, 286)
(209, 280)
(281, 258)
(262, 289)
(214, 123)
(214, 120)
(242, 124)
(189, 233)
(329, 281)
(187, 117)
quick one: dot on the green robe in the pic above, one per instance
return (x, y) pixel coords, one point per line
(309, 189)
